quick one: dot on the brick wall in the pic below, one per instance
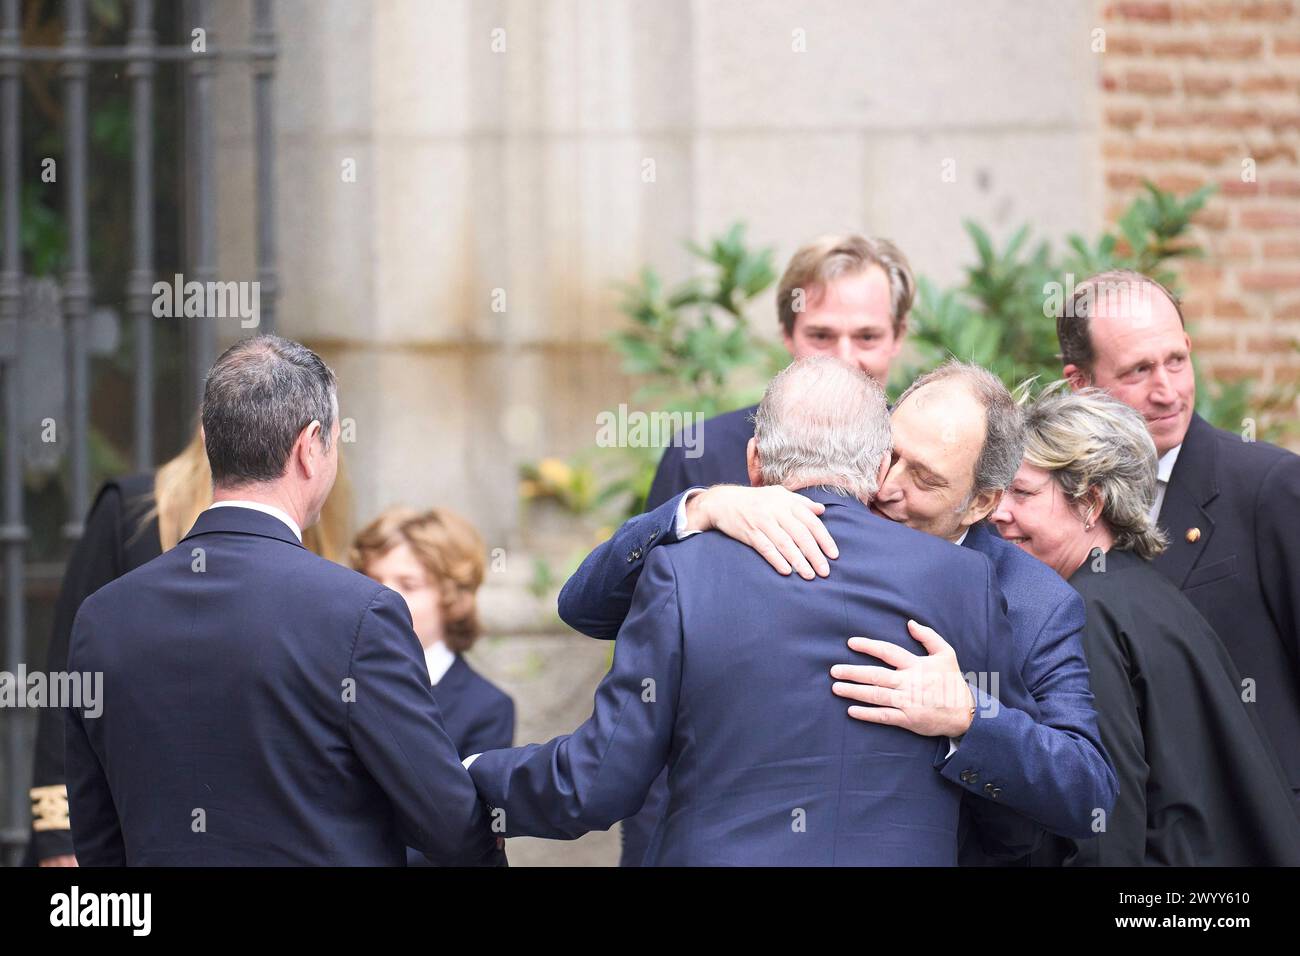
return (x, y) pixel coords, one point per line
(1189, 92)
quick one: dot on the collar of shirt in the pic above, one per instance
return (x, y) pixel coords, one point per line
(962, 538)
(438, 658)
(1166, 466)
(271, 510)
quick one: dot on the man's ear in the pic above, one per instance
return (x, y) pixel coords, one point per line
(752, 463)
(883, 471)
(1076, 376)
(982, 505)
(305, 448)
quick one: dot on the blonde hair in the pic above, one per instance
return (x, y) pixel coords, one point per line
(450, 550)
(1089, 440)
(823, 260)
(182, 489)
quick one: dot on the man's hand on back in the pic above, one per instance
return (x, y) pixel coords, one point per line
(780, 525)
(926, 695)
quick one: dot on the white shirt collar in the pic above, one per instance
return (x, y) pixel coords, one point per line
(962, 538)
(271, 510)
(1166, 466)
(438, 658)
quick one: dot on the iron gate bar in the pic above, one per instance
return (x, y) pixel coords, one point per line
(263, 69)
(198, 147)
(140, 69)
(142, 54)
(14, 530)
(76, 287)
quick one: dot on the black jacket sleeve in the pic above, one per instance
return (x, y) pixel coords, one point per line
(96, 560)
(1122, 842)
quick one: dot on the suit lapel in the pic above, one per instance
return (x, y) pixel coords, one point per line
(1183, 514)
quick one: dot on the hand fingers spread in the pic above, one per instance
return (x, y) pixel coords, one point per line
(866, 674)
(769, 553)
(819, 532)
(888, 653)
(807, 544)
(878, 715)
(868, 694)
(788, 549)
(930, 639)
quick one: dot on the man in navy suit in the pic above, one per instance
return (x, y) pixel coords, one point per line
(844, 296)
(957, 445)
(262, 706)
(1228, 503)
(720, 671)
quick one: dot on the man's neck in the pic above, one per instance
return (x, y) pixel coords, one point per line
(270, 493)
(803, 484)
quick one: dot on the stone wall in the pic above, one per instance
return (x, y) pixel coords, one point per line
(523, 169)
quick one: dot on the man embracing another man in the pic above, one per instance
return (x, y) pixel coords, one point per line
(720, 674)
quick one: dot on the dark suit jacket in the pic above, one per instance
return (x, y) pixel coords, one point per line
(1052, 769)
(722, 447)
(477, 715)
(721, 672)
(115, 540)
(1243, 572)
(261, 706)
(722, 443)
(1199, 784)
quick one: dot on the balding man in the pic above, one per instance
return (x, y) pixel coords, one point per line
(957, 436)
(1228, 503)
(720, 674)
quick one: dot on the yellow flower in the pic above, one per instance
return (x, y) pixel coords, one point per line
(554, 472)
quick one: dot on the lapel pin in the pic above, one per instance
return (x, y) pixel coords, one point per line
(1193, 535)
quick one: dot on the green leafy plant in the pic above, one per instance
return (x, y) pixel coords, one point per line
(695, 352)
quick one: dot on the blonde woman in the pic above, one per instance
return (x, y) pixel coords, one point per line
(1199, 784)
(134, 519)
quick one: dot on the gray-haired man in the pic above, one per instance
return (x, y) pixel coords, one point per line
(956, 447)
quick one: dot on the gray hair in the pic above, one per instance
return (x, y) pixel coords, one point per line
(1088, 439)
(1004, 423)
(257, 399)
(823, 422)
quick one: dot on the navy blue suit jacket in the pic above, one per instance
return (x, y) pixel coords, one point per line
(262, 706)
(477, 715)
(1055, 769)
(1048, 764)
(1243, 570)
(721, 673)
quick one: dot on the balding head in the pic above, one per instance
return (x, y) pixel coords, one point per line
(821, 422)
